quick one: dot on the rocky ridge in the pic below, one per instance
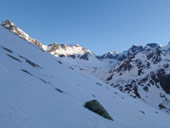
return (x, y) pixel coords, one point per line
(145, 76)
(13, 28)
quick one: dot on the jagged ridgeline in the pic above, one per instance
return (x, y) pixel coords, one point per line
(13, 28)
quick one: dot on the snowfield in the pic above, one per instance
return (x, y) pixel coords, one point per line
(38, 90)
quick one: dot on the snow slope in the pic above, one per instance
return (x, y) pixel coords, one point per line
(38, 90)
(81, 58)
(76, 55)
(13, 28)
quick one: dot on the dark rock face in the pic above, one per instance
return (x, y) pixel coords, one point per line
(64, 46)
(122, 56)
(109, 55)
(53, 46)
(110, 77)
(130, 52)
(96, 107)
(72, 56)
(135, 49)
(146, 88)
(126, 66)
(161, 106)
(164, 80)
(151, 46)
(85, 56)
(154, 56)
(8, 24)
(61, 55)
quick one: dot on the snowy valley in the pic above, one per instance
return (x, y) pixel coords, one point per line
(50, 85)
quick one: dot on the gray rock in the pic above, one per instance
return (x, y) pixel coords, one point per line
(96, 107)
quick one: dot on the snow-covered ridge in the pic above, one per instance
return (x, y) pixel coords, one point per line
(59, 50)
(66, 50)
(13, 28)
(76, 51)
(55, 48)
(145, 76)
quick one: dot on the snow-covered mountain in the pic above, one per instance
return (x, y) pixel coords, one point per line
(75, 54)
(13, 28)
(121, 56)
(145, 75)
(38, 90)
(70, 51)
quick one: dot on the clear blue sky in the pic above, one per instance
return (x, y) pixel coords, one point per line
(99, 25)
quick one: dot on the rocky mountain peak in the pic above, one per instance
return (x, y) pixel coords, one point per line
(14, 29)
(152, 46)
(8, 24)
(56, 49)
(73, 51)
(53, 47)
(109, 55)
(135, 49)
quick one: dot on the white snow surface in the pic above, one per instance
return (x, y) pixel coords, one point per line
(71, 50)
(28, 98)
